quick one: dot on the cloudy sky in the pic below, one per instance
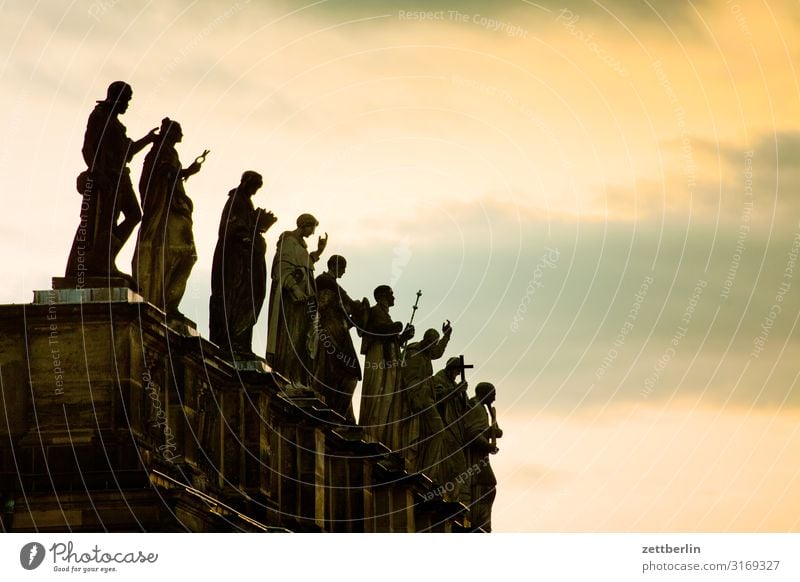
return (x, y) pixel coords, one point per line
(601, 196)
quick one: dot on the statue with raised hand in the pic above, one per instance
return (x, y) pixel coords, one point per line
(165, 250)
(106, 188)
(292, 333)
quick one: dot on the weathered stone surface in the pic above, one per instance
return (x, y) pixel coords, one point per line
(119, 421)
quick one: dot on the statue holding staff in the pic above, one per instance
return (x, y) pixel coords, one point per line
(424, 429)
(451, 401)
(380, 344)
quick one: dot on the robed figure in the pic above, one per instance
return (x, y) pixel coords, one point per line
(337, 370)
(481, 432)
(239, 270)
(165, 251)
(292, 333)
(450, 393)
(380, 413)
(106, 188)
(423, 430)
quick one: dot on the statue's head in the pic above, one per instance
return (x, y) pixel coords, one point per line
(485, 393)
(118, 95)
(384, 294)
(337, 265)
(430, 338)
(307, 224)
(170, 130)
(453, 368)
(251, 181)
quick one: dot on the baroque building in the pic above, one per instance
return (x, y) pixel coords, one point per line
(114, 418)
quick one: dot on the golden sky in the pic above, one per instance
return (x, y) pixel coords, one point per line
(602, 197)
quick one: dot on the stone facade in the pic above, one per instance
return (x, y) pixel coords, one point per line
(113, 418)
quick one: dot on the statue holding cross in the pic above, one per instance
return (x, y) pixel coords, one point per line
(481, 432)
(450, 386)
(450, 390)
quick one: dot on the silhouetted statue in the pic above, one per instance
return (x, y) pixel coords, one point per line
(293, 328)
(424, 429)
(337, 370)
(451, 402)
(106, 188)
(481, 433)
(380, 344)
(165, 251)
(239, 271)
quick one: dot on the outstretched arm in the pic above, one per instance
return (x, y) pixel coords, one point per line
(190, 171)
(437, 351)
(322, 242)
(137, 146)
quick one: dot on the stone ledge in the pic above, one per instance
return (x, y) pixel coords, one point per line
(118, 293)
(252, 366)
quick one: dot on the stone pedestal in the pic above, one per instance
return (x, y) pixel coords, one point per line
(115, 417)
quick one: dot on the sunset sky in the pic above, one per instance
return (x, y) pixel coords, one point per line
(603, 197)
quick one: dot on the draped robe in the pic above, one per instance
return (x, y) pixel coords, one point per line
(292, 331)
(381, 347)
(238, 275)
(165, 251)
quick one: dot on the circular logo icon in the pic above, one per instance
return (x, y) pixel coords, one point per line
(31, 555)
